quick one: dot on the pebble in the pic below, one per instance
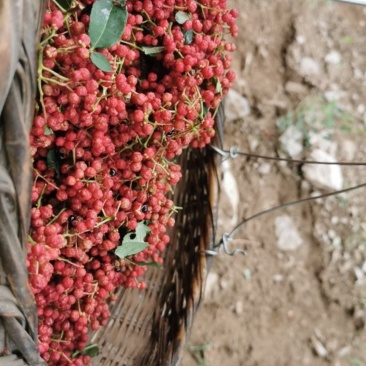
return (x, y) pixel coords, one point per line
(333, 95)
(264, 168)
(292, 141)
(295, 88)
(211, 283)
(288, 237)
(236, 106)
(349, 149)
(239, 307)
(230, 187)
(277, 278)
(328, 177)
(309, 67)
(333, 57)
(319, 348)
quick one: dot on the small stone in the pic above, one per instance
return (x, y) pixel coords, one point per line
(230, 187)
(288, 237)
(211, 283)
(295, 88)
(300, 39)
(319, 348)
(236, 106)
(328, 177)
(239, 307)
(331, 234)
(309, 67)
(277, 278)
(344, 351)
(333, 95)
(253, 144)
(224, 284)
(292, 141)
(247, 274)
(337, 242)
(264, 168)
(359, 274)
(349, 149)
(358, 74)
(333, 57)
(361, 109)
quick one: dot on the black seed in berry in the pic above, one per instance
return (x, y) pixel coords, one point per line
(112, 172)
(145, 208)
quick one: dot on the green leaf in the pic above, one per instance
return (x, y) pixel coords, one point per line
(91, 350)
(133, 242)
(130, 248)
(152, 51)
(218, 86)
(52, 162)
(188, 36)
(204, 110)
(64, 4)
(181, 17)
(100, 61)
(107, 23)
(47, 131)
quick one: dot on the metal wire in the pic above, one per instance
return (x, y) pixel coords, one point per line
(233, 153)
(353, 2)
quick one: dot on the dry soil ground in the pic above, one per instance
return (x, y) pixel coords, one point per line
(299, 63)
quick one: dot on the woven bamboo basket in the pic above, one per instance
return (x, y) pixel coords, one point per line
(147, 327)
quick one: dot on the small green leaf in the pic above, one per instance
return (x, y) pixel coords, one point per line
(91, 350)
(100, 61)
(181, 17)
(64, 4)
(188, 36)
(52, 162)
(204, 110)
(133, 242)
(47, 131)
(130, 248)
(152, 51)
(218, 86)
(107, 23)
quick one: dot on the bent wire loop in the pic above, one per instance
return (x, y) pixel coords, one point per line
(233, 153)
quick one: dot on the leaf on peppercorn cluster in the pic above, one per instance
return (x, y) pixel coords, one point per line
(47, 131)
(152, 51)
(133, 242)
(100, 61)
(181, 17)
(92, 350)
(52, 162)
(107, 23)
(64, 4)
(188, 36)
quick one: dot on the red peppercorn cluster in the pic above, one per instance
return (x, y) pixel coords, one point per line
(103, 147)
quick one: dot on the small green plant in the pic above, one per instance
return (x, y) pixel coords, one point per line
(198, 353)
(316, 115)
(356, 362)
